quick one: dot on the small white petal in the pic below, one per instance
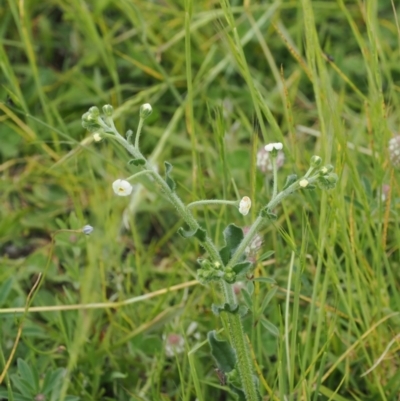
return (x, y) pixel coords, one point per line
(97, 137)
(273, 146)
(122, 187)
(303, 183)
(245, 205)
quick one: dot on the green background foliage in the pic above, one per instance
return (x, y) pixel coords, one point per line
(223, 79)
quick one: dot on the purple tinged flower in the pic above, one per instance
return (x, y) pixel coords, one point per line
(264, 160)
(174, 344)
(254, 246)
(394, 151)
(87, 230)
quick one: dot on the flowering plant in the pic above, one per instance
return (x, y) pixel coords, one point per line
(227, 265)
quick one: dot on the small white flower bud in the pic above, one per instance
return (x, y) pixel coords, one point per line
(108, 110)
(273, 146)
(315, 161)
(303, 183)
(87, 230)
(97, 137)
(122, 187)
(145, 110)
(94, 111)
(245, 205)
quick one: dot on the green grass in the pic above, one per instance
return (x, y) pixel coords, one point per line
(322, 77)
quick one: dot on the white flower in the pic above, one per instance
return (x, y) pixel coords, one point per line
(122, 187)
(97, 137)
(273, 146)
(245, 205)
(303, 183)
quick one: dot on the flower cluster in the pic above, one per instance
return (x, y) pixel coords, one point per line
(394, 151)
(94, 122)
(254, 246)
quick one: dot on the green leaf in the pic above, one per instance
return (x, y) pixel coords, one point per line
(239, 394)
(270, 327)
(137, 162)
(52, 380)
(310, 187)
(28, 375)
(266, 255)
(366, 183)
(268, 280)
(250, 287)
(233, 236)
(5, 289)
(267, 214)
(355, 202)
(247, 298)
(267, 299)
(200, 233)
(242, 268)
(222, 352)
(170, 182)
(290, 180)
(23, 386)
(17, 397)
(229, 308)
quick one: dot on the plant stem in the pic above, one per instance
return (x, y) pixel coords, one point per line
(239, 343)
(212, 202)
(259, 222)
(275, 176)
(236, 331)
(139, 130)
(143, 172)
(183, 211)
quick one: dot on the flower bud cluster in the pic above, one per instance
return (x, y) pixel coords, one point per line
(209, 271)
(214, 272)
(94, 122)
(90, 120)
(326, 179)
(322, 176)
